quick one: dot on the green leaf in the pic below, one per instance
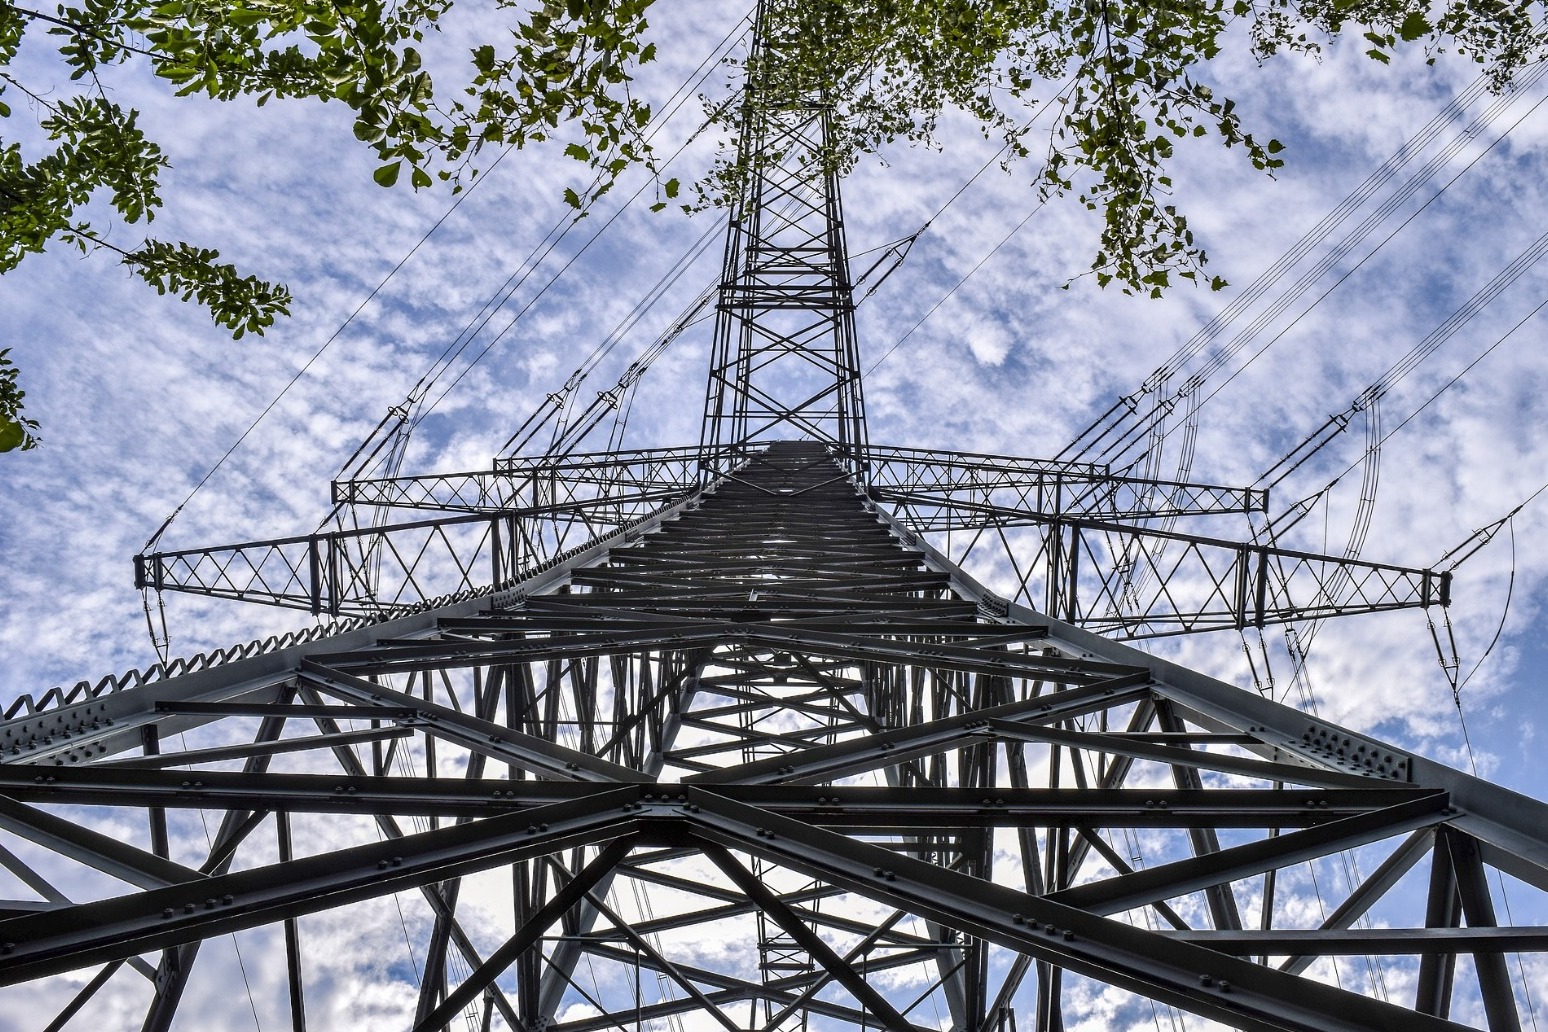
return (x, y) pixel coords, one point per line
(572, 198)
(420, 179)
(1414, 26)
(387, 175)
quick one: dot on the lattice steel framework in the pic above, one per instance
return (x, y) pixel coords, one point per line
(769, 717)
(729, 736)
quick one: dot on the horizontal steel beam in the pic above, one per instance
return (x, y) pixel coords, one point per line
(850, 806)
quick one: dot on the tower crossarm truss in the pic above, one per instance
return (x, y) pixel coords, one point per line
(1074, 536)
(623, 483)
(770, 761)
(932, 489)
(1131, 581)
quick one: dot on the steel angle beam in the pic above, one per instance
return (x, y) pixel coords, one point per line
(1118, 745)
(110, 721)
(219, 754)
(199, 907)
(1164, 881)
(111, 784)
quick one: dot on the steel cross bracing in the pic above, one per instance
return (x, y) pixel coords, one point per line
(784, 363)
(768, 762)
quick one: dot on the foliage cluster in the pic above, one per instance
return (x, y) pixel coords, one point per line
(1126, 81)
(1098, 94)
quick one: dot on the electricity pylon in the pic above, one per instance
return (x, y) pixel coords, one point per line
(728, 735)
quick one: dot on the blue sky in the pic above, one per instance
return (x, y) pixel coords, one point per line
(139, 396)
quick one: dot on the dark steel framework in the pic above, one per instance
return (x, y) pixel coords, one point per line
(729, 735)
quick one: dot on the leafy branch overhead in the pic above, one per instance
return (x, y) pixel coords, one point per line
(16, 430)
(1123, 81)
(1096, 95)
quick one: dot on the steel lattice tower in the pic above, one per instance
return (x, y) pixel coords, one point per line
(785, 361)
(727, 736)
